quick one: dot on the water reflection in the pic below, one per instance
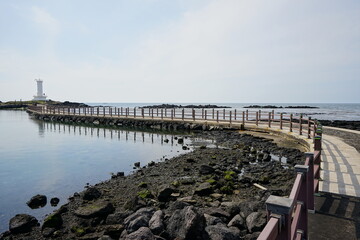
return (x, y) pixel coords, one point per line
(79, 130)
(58, 159)
(119, 134)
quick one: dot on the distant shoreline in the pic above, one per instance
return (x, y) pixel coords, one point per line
(276, 107)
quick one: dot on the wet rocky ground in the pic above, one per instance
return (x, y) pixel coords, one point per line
(353, 125)
(209, 193)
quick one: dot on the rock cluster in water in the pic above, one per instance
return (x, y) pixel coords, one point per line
(185, 106)
(273, 106)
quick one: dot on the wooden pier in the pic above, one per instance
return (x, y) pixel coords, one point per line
(287, 216)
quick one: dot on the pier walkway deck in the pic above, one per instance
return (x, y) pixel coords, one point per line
(337, 204)
(340, 167)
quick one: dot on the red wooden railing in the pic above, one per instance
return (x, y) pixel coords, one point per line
(287, 217)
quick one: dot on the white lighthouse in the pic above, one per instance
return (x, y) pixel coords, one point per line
(40, 95)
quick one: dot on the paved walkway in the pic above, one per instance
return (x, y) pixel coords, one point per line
(340, 167)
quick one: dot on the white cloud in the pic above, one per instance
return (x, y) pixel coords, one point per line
(46, 21)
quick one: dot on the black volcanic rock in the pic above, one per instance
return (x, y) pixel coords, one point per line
(37, 201)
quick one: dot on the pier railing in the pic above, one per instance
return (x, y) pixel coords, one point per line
(294, 123)
(287, 216)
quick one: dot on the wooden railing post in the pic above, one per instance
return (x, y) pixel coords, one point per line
(152, 113)
(205, 115)
(134, 112)
(281, 208)
(162, 117)
(193, 114)
(217, 116)
(257, 118)
(223, 114)
(142, 113)
(235, 114)
(309, 128)
(300, 124)
(243, 119)
(291, 123)
(247, 115)
(172, 114)
(317, 143)
(269, 121)
(273, 114)
(230, 117)
(165, 112)
(310, 181)
(202, 113)
(281, 121)
(104, 111)
(303, 198)
(213, 113)
(121, 111)
(183, 114)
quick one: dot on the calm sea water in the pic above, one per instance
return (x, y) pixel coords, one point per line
(57, 160)
(325, 111)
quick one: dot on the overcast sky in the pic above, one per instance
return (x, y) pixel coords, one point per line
(181, 50)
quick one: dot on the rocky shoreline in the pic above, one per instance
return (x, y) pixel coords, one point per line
(275, 107)
(185, 106)
(208, 193)
(352, 125)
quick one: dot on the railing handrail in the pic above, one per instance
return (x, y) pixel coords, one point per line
(304, 126)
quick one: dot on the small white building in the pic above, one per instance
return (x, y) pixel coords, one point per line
(40, 95)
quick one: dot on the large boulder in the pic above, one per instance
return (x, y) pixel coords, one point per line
(117, 217)
(211, 220)
(53, 221)
(256, 221)
(206, 170)
(91, 193)
(217, 212)
(135, 224)
(221, 232)
(237, 221)
(99, 208)
(165, 194)
(147, 212)
(185, 224)
(156, 224)
(37, 201)
(54, 201)
(22, 223)
(138, 219)
(142, 233)
(204, 189)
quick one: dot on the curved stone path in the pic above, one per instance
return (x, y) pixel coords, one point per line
(340, 165)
